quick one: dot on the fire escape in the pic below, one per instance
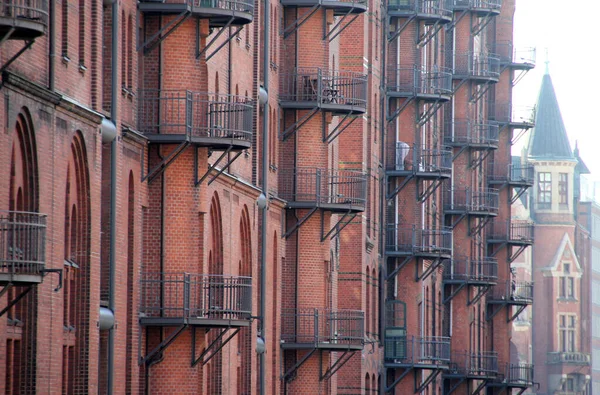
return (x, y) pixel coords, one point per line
(181, 119)
(22, 21)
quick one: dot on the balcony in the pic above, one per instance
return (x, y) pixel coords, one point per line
(210, 120)
(472, 134)
(422, 352)
(320, 328)
(513, 232)
(516, 117)
(338, 92)
(420, 162)
(429, 10)
(330, 190)
(22, 247)
(421, 84)
(515, 175)
(481, 7)
(23, 19)
(218, 12)
(569, 358)
(339, 7)
(516, 58)
(465, 201)
(513, 293)
(514, 376)
(175, 299)
(480, 67)
(471, 271)
(474, 365)
(416, 242)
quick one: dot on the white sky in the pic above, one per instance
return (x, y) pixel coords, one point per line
(568, 29)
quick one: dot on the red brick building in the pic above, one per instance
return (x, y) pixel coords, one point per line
(237, 197)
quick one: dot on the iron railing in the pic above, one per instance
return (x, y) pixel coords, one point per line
(517, 374)
(569, 358)
(22, 242)
(27, 10)
(515, 231)
(522, 174)
(512, 291)
(421, 160)
(315, 85)
(466, 132)
(466, 269)
(508, 54)
(424, 7)
(431, 350)
(195, 296)
(475, 363)
(195, 114)
(320, 326)
(414, 240)
(505, 113)
(322, 186)
(231, 5)
(473, 201)
(417, 81)
(476, 64)
(480, 4)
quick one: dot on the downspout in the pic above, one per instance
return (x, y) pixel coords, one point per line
(382, 191)
(265, 192)
(51, 45)
(113, 193)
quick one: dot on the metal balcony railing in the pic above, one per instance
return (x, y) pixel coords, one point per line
(511, 174)
(463, 132)
(195, 114)
(22, 242)
(432, 350)
(471, 201)
(506, 113)
(511, 231)
(421, 160)
(475, 363)
(417, 241)
(493, 5)
(516, 374)
(569, 358)
(321, 326)
(323, 187)
(420, 7)
(509, 55)
(245, 6)
(25, 10)
(415, 81)
(477, 270)
(188, 296)
(512, 292)
(324, 87)
(476, 65)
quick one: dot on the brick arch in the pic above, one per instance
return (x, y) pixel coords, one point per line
(76, 292)
(23, 196)
(245, 337)
(214, 369)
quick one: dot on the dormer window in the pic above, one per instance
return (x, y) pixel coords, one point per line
(567, 283)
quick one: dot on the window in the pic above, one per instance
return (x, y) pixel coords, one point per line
(82, 41)
(566, 332)
(544, 198)
(568, 384)
(65, 31)
(563, 189)
(567, 283)
(596, 259)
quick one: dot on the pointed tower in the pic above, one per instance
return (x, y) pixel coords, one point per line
(560, 355)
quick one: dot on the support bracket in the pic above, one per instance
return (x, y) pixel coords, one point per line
(397, 113)
(337, 365)
(200, 52)
(455, 291)
(27, 45)
(298, 224)
(398, 268)
(481, 291)
(337, 26)
(427, 37)
(431, 188)
(45, 272)
(339, 129)
(394, 35)
(404, 182)
(299, 123)
(515, 255)
(431, 110)
(16, 300)
(214, 166)
(338, 227)
(300, 21)
(430, 378)
(169, 28)
(213, 348)
(397, 381)
(152, 355)
(288, 375)
(434, 265)
(480, 387)
(166, 162)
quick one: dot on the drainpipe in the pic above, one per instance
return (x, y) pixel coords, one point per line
(265, 193)
(113, 193)
(51, 44)
(382, 193)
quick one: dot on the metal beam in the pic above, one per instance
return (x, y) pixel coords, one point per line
(214, 344)
(163, 164)
(170, 27)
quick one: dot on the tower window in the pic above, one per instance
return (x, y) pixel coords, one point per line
(544, 197)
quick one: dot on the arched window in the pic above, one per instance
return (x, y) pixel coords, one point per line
(245, 336)
(215, 270)
(367, 384)
(368, 300)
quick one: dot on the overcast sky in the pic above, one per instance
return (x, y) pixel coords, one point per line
(570, 33)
